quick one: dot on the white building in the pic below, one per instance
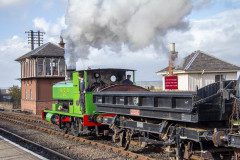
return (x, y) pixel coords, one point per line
(200, 69)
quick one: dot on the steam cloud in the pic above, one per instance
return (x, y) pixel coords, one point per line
(113, 23)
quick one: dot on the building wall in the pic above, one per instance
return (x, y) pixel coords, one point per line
(231, 76)
(28, 89)
(40, 106)
(28, 96)
(163, 83)
(44, 93)
(183, 82)
(190, 81)
(29, 106)
(44, 88)
(202, 80)
(37, 94)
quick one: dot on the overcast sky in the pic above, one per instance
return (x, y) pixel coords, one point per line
(214, 27)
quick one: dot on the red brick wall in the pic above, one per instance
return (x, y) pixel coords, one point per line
(29, 106)
(41, 96)
(43, 105)
(28, 97)
(27, 86)
(44, 88)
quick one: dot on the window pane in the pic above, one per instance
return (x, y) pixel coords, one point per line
(62, 67)
(223, 78)
(55, 66)
(40, 66)
(219, 78)
(48, 66)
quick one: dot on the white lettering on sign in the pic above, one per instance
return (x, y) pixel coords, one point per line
(139, 124)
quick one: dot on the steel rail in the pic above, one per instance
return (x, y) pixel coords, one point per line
(119, 151)
(36, 145)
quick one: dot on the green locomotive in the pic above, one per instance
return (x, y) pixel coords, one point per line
(69, 113)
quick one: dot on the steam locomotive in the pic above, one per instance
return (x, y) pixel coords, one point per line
(205, 122)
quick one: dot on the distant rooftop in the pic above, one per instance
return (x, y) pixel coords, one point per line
(4, 91)
(46, 50)
(199, 61)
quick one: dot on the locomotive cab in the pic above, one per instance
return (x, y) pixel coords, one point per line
(98, 79)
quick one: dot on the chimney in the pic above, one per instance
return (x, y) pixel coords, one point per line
(172, 57)
(61, 43)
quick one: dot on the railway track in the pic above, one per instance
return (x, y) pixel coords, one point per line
(36, 148)
(30, 122)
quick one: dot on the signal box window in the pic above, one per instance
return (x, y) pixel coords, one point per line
(48, 66)
(61, 67)
(55, 66)
(40, 66)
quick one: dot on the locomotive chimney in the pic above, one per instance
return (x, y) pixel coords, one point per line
(61, 43)
(172, 57)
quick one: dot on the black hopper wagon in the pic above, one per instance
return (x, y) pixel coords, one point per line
(184, 124)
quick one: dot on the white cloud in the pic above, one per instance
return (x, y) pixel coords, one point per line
(9, 3)
(14, 47)
(41, 23)
(146, 61)
(52, 30)
(218, 35)
(48, 4)
(200, 4)
(11, 49)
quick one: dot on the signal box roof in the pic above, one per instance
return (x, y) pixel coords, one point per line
(46, 50)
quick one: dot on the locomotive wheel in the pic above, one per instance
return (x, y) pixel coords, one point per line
(125, 139)
(77, 127)
(236, 154)
(66, 127)
(116, 136)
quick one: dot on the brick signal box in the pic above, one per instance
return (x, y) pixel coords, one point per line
(40, 69)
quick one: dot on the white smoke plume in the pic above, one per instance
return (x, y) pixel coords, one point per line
(114, 23)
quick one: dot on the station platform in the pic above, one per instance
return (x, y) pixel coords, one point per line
(12, 151)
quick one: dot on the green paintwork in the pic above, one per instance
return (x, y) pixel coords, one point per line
(63, 91)
(63, 113)
(236, 123)
(49, 117)
(55, 106)
(69, 91)
(91, 108)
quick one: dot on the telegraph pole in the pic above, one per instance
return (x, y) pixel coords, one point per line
(35, 38)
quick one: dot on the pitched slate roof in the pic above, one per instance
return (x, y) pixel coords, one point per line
(46, 50)
(199, 61)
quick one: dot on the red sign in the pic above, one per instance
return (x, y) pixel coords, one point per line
(171, 82)
(135, 112)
